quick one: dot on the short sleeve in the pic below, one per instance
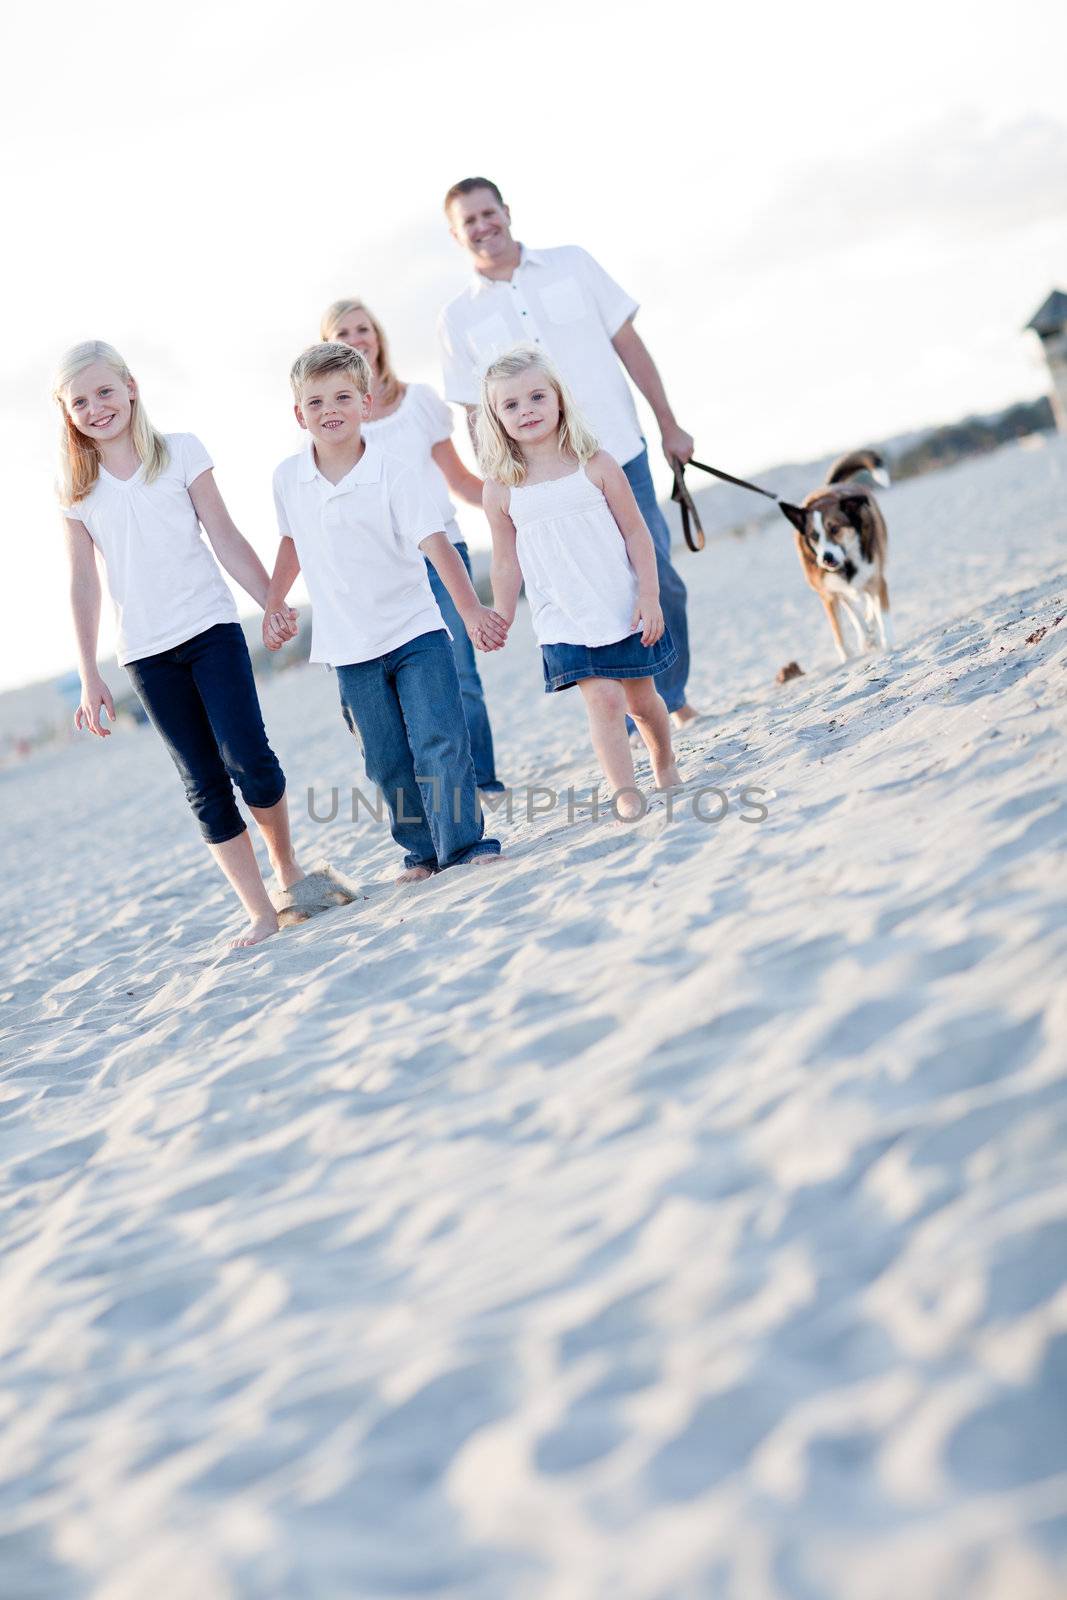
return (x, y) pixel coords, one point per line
(192, 458)
(457, 365)
(435, 419)
(414, 514)
(279, 507)
(613, 304)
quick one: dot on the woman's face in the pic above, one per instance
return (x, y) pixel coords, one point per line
(356, 330)
(99, 402)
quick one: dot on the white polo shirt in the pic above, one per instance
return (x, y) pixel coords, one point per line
(163, 579)
(561, 299)
(420, 421)
(358, 544)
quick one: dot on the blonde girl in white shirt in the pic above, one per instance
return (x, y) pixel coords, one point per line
(135, 500)
(564, 519)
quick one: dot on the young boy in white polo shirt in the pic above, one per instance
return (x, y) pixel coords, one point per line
(356, 521)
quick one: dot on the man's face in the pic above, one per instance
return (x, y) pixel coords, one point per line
(481, 225)
(332, 409)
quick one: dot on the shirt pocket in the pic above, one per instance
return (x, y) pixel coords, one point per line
(564, 301)
(490, 338)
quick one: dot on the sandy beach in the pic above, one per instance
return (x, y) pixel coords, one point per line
(676, 1212)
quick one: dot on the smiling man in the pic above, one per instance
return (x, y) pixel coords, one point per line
(563, 300)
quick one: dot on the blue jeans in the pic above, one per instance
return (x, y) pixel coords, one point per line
(671, 681)
(201, 699)
(405, 709)
(470, 685)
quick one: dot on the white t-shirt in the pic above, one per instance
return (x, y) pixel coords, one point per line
(561, 299)
(420, 421)
(358, 544)
(161, 575)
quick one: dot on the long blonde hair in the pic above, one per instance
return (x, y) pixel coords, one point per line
(390, 388)
(79, 458)
(500, 455)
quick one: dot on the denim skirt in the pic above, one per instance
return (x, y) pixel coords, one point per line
(567, 664)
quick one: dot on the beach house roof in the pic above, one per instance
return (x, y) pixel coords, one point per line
(1052, 315)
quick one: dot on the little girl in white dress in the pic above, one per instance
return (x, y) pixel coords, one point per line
(565, 521)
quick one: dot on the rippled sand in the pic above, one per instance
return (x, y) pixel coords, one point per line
(677, 1212)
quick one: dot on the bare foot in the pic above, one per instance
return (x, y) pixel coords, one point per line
(669, 778)
(259, 928)
(484, 859)
(684, 715)
(414, 875)
(288, 873)
(629, 805)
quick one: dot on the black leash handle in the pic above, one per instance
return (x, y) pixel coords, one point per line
(690, 516)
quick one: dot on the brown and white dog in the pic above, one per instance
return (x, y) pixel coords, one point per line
(842, 543)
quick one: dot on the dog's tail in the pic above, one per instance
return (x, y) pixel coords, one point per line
(847, 466)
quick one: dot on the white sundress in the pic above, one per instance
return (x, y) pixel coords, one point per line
(579, 582)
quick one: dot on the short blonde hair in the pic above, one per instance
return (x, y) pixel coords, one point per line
(79, 458)
(500, 456)
(330, 356)
(389, 385)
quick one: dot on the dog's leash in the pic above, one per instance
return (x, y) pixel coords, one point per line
(690, 517)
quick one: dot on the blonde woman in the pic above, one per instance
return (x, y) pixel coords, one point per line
(410, 421)
(137, 499)
(564, 518)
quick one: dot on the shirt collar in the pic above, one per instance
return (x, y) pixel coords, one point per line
(368, 469)
(527, 258)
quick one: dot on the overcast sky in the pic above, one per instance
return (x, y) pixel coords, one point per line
(836, 230)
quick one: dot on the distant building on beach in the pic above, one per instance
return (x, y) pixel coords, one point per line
(1049, 322)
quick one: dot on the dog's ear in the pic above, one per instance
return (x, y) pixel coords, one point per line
(857, 508)
(796, 514)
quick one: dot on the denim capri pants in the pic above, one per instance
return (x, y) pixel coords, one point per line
(567, 664)
(201, 698)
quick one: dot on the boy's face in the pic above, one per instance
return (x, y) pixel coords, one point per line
(528, 407)
(332, 409)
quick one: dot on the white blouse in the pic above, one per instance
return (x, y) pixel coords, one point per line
(420, 421)
(579, 581)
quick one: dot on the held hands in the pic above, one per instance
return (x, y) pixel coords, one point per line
(486, 628)
(279, 625)
(649, 615)
(96, 699)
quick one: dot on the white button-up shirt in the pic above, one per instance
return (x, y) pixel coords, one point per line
(358, 544)
(563, 300)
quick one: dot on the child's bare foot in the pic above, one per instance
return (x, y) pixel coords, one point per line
(414, 875)
(684, 714)
(669, 777)
(484, 859)
(288, 872)
(259, 928)
(629, 805)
